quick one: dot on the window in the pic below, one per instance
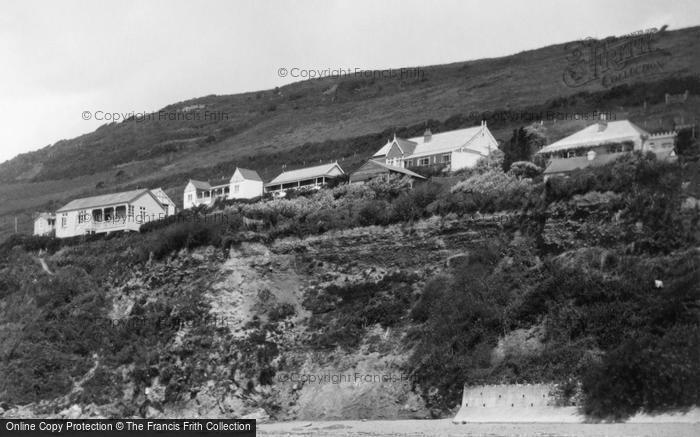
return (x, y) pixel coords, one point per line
(446, 158)
(189, 198)
(236, 188)
(82, 216)
(424, 161)
(64, 219)
(120, 213)
(131, 209)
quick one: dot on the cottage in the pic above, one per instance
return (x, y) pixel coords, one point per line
(244, 184)
(125, 211)
(45, 224)
(203, 193)
(375, 169)
(309, 178)
(455, 150)
(603, 142)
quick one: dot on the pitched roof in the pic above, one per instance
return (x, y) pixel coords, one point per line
(396, 169)
(251, 175)
(304, 173)
(200, 185)
(103, 200)
(44, 215)
(476, 138)
(566, 165)
(615, 131)
(162, 196)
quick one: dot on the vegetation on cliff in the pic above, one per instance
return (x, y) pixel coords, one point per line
(597, 274)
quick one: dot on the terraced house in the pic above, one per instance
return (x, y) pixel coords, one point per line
(455, 150)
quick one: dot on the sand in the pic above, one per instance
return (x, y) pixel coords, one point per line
(445, 427)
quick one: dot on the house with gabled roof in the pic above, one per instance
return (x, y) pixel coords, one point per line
(125, 211)
(306, 178)
(45, 223)
(457, 149)
(602, 142)
(244, 184)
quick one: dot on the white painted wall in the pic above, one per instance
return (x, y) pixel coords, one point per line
(189, 198)
(462, 160)
(146, 209)
(42, 226)
(241, 188)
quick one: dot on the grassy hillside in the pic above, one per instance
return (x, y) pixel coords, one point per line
(325, 119)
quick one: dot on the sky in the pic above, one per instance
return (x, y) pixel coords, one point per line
(61, 58)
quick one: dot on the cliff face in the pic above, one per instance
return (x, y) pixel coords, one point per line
(258, 330)
(589, 282)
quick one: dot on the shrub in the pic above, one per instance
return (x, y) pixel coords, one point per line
(373, 212)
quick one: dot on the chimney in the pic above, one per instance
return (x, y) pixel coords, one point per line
(591, 155)
(602, 123)
(427, 135)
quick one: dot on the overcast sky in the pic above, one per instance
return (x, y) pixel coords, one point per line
(60, 58)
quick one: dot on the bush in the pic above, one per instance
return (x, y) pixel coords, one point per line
(648, 373)
(373, 212)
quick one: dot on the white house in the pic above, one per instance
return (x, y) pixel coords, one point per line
(244, 184)
(457, 149)
(203, 193)
(597, 143)
(125, 211)
(44, 223)
(309, 178)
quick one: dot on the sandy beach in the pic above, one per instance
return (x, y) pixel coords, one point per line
(445, 428)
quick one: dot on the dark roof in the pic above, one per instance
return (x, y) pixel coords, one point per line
(395, 169)
(104, 200)
(201, 185)
(251, 175)
(566, 165)
(407, 146)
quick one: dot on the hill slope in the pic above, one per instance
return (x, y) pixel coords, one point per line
(267, 129)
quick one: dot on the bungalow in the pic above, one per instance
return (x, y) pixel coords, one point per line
(45, 224)
(244, 184)
(310, 177)
(374, 169)
(456, 149)
(125, 211)
(589, 146)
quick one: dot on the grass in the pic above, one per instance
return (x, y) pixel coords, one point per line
(266, 140)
